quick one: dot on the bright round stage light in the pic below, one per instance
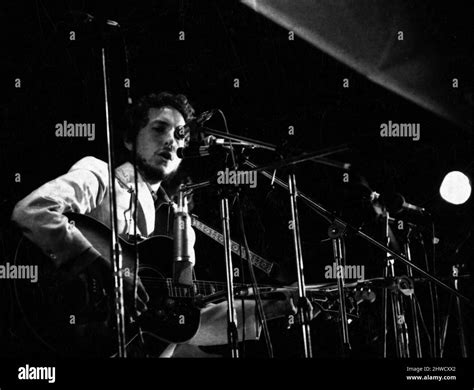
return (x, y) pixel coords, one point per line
(455, 188)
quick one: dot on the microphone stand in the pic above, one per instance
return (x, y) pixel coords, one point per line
(460, 322)
(303, 304)
(335, 233)
(240, 140)
(232, 333)
(399, 320)
(462, 337)
(115, 247)
(414, 311)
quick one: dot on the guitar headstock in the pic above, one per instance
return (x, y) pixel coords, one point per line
(326, 302)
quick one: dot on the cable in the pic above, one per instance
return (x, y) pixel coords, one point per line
(243, 302)
(343, 251)
(430, 287)
(424, 325)
(134, 337)
(258, 298)
(444, 328)
(234, 163)
(135, 240)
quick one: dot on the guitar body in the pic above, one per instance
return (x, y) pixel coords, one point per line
(76, 317)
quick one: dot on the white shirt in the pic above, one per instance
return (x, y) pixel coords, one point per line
(83, 189)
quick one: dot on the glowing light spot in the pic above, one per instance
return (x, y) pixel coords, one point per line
(455, 188)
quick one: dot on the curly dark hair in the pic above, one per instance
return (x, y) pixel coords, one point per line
(137, 114)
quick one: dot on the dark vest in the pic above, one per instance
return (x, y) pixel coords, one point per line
(164, 214)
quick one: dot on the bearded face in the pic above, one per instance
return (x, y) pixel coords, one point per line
(156, 144)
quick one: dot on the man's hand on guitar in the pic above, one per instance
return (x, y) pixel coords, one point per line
(142, 296)
(287, 304)
(128, 288)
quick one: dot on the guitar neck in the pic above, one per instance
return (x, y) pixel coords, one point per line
(209, 289)
(204, 288)
(258, 261)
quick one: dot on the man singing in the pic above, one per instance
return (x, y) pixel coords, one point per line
(153, 134)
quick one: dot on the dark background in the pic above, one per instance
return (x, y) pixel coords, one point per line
(282, 83)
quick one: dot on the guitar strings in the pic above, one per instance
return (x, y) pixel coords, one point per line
(210, 286)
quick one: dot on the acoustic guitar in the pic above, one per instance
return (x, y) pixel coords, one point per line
(74, 316)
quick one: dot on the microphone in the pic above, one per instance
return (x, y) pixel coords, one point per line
(194, 151)
(183, 263)
(396, 203)
(199, 151)
(194, 123)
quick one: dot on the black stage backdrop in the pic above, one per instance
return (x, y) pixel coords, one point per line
(273, 86)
